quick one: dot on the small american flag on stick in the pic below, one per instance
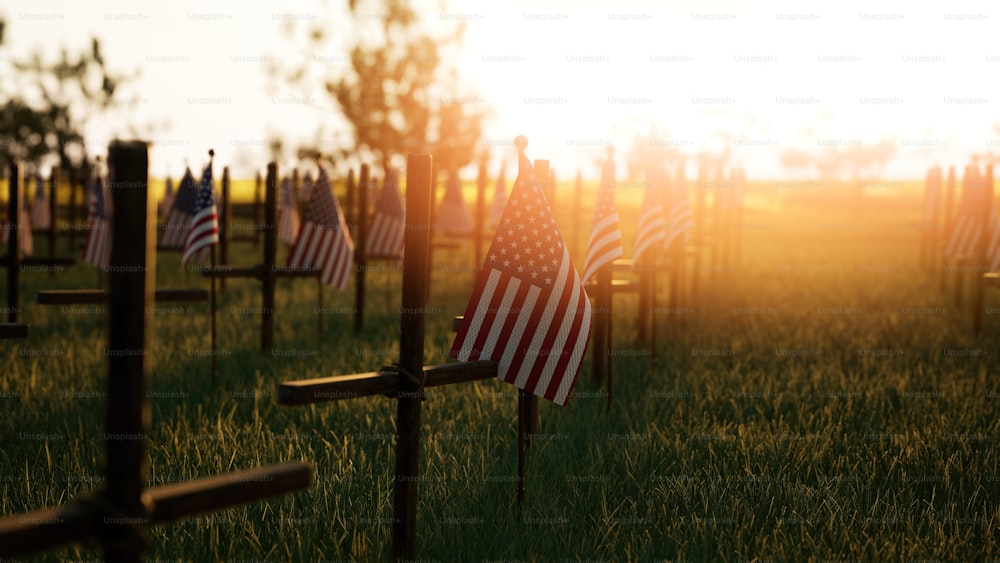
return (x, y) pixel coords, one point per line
(680, 218)
(385, 237)
(97, 249)
(324, 242)
(41, 217)
(652, 229)
(167, 203)
(968, 227)
(179, 219)
(204, 231)
(288, 213)
(453, 215)
(528, 311)
(605, 243)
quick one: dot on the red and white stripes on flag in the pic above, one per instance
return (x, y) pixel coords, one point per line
(288, 213)
(453, 215)
(388, 227)
(968, 226)
(680, 217)
(993, 245)
(178, 223)
(41, 215)
(652, 230)
(204, 231)
(324, 242)
(528, 311)
(97, 249)
(605, 244)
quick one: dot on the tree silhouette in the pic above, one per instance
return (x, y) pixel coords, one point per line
(47, 105)
(394, 92)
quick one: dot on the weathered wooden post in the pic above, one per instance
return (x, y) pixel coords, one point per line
(480, 216)
(53, 218)
(225, 228)
(981, 265)
(13, 212)
(360, 255)
(949, 222)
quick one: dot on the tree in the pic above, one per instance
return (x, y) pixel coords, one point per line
(46, 106)
(394, 93)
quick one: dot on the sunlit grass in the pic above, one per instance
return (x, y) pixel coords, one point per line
(805, 412)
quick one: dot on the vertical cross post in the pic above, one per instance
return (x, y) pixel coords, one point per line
(360, 258)
(416, 257)
(53, 222)
(577, 211)
(74, 180)
(130, 288)
(480, 220)
(256, 211)
(986, 208)
(270, 253)
(949, 222)
(226, 228)
(13, 212)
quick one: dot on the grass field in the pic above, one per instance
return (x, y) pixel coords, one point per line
(825, 401)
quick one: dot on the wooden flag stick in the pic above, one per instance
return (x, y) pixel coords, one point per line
(214, 341)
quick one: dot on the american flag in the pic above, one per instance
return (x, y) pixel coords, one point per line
(453, 215)
(528, 311)
(204, 231)
(97, 249)
(968, 227)
(499, 196)
(680, 217)
(993, 248)
(605, 244)
(179, 220)
(168, 198)
(288, 213)
(41, 215)
(324, 241)
(652, 229)
(385, 236)
(306, 189)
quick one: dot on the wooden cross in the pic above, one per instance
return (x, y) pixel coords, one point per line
(949, 223)
(13, 260)
(975, 195)
(983, 259)
(268, 271)
(929, 224)
(407, 380)
(116, 516)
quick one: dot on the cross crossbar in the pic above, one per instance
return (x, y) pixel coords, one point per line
(81, 520)
(97, 296)
(13, 330)
(383, 382)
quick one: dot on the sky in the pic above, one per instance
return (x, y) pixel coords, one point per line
(573, 76)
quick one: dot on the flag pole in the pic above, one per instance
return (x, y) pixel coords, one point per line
(523, 397)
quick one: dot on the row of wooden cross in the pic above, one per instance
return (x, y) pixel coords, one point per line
(966, 239)
(123, 498)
